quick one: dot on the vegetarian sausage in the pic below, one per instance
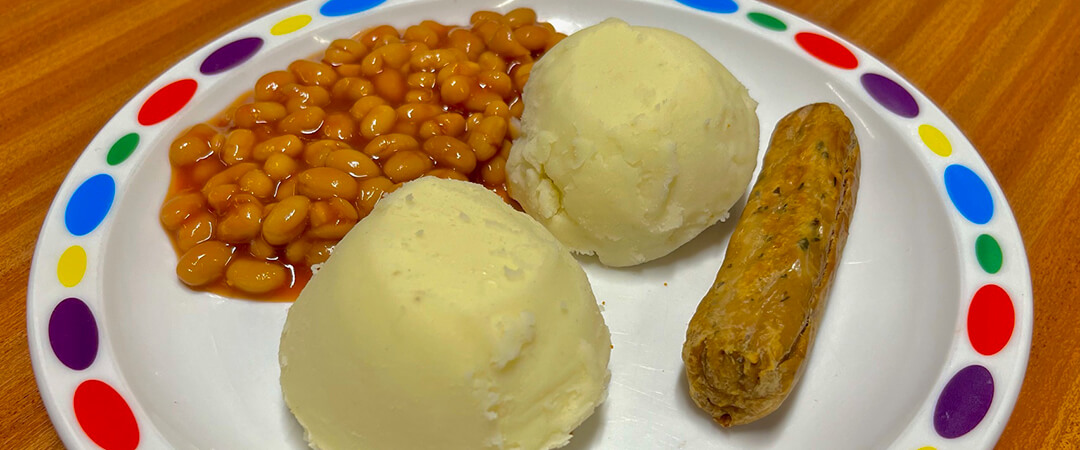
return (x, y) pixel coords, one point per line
(746, 344)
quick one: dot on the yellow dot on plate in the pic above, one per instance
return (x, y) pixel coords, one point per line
(927, 448)
(936, 140)
(291, 24)
(72, 266)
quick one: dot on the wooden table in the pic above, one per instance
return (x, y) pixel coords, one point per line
(1008, 73)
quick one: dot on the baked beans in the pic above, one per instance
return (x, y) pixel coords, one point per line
(266, 191)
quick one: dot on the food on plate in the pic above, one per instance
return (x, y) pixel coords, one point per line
(445, 319)
(746, 344)
(285, 172)
(634, 140)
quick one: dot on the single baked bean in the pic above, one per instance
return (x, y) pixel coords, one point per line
(371, 191)
(286, 220)
(352, 89)
(257, 183)
(228, 176)
(288, 144)
(238, 146)
(456, 89)
(467, 68)
(205, 169)
(450, 152)
(520, 17)
(197, 229)
(503, 43)
(349, 70)
(269, 87)
(247, 116)
(333, 219)
(315, 153)
(554, 39)
(504, 152)
(395, 55)
(280, 166)
(497, 108)
(433, 59)
(313, 73)
(418, 33)
(296, 251)
(219, 197)
(493, 173)
(501, 192)
(264, 131)
(363, 106)
(380, 120)
(388, 144)
(256, 277)
(446, 124)
(498, 82)
(422, 95)
(467, 42)
(520, 75)
(299, 97)
(532, 37)
(188, 150)
(486, 29)
(390, 85)
(413, 47)
(473, 121)
(439, 29)
(407, 165)
(261, 249)
(378, 34)
(486, 138)
(489, 61)
(517, 107)
(180, 208)
(417, 112)
(241, 223)
(319, 251)
(344, 51)
(481, 16)
(448, 174)
(304, 121)
(325, 182)
(338, 126)
(203, 263)
(354, 163)
(285, 189)
(406, 127)
(479, 101)
(417, 80)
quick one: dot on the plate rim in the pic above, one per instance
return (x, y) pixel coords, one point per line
(1019, 283)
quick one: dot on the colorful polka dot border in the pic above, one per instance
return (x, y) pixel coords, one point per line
(102, 413)
(108, 420)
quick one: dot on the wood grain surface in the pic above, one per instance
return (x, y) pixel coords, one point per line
(1007, 72)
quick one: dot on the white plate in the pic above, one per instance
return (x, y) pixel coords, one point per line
(924, 343)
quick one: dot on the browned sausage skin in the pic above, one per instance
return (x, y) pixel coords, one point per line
(746, 344)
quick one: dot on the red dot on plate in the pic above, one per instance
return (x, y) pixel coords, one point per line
(167, 101)
(826, 49)
(990, 319)
(105, 416)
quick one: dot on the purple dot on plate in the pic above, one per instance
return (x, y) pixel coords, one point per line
(230, 55)
(964, 402)
(890, 94)
(73, 334)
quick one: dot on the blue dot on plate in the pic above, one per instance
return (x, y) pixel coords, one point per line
(969, 194)
(716, 6)
(334, 8)
(89, 204)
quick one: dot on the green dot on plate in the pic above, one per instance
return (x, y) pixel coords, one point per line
(767, 21)
(988, 252)
(123, 148)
